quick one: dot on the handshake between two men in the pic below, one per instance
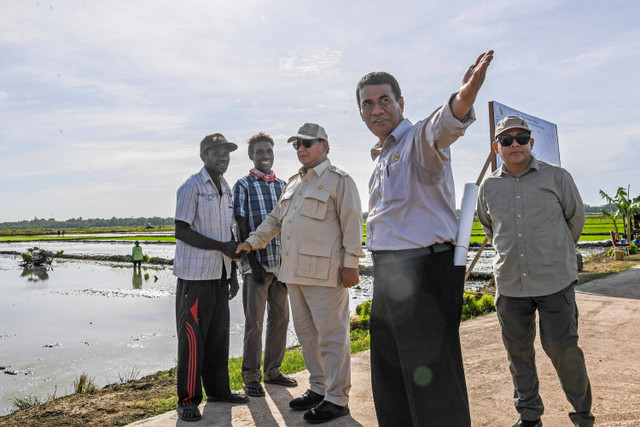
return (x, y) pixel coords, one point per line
(237, 252)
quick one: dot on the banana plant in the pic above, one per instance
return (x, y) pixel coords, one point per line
(626, 208)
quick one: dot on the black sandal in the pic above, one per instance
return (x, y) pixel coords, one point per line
(189, 413)
(284, 380)
(233, 397)
(254, 389)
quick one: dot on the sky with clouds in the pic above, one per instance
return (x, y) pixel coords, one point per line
(103, 103)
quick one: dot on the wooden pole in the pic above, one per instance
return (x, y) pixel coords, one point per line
(491, 160)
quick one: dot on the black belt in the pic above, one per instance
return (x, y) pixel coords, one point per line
(384, 257)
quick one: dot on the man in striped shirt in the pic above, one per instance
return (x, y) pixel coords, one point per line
(254, 196)
(206, 281)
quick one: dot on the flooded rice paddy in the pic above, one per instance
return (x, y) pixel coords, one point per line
(99, 318)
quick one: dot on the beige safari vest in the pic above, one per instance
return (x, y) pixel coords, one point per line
(319, 219)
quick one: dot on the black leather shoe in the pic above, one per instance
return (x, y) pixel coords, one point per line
(325, 411)
(307, 401)
(526, 423)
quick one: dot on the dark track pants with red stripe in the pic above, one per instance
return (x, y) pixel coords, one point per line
(202, 319)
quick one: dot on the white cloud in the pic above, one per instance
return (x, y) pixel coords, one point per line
(94, 93)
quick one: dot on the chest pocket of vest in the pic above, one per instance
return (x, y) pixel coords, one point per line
(314, 204)
(285, 201)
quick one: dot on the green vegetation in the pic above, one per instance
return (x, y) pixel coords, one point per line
(88, 237)
(84, 384)
(51, 225)
(625, 209)
(129, 376)
(475, 305)
(596, 228)
(33, 400)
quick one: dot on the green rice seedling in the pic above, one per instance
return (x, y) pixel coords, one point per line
(129, 376)
(26, 402)
(84, 384)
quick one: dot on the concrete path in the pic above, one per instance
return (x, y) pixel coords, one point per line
(609, 327)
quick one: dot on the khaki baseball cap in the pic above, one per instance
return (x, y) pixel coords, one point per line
(216, 140)
(511, 122)
(310, 131)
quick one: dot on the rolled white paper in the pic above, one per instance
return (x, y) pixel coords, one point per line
(469, 198)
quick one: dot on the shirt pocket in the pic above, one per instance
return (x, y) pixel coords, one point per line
(314, 261)
(393, 182)
(285, 201)
(314, 204)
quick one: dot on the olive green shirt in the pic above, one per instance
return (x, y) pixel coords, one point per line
(534, 222)
(319, 218)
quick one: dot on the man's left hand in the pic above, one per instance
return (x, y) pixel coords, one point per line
(470, 86)
(233, 286)
(350, 277)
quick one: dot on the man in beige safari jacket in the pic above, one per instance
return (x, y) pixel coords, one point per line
(319, 219)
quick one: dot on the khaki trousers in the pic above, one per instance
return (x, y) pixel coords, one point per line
(321, 321)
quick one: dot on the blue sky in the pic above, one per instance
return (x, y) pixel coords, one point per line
(103, 104)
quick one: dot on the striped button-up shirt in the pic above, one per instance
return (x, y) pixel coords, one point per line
(210, 213)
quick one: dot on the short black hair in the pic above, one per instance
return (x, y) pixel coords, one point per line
(379, 78)
(259, 137)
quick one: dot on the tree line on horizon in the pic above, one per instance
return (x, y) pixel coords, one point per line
(75, 223)
(156, 221)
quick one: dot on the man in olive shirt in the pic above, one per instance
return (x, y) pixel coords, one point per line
(533, 214)
(319, 218)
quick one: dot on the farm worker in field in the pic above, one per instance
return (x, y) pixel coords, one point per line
(319, 216)
(206, 281)
(137, 255)
(254, 196)
(416, 362)
(533, 214)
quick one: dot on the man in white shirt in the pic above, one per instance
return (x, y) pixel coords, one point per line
(416, 362)
(206, 281)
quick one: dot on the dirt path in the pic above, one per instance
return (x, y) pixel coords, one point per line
(609, 324)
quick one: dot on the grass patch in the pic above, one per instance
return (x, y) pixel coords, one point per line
(32, 400)
(21, 403)
(84, 384)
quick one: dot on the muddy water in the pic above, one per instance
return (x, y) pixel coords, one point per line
(96, 318)
(99, 318)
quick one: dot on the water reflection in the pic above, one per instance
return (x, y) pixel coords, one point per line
(35, 274)
(137, 279)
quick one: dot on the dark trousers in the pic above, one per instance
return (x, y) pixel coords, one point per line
(416, 361)
(202, 319)
(559, 337)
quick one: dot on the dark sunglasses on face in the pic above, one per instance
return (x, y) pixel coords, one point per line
(306, 143)
(507, 140)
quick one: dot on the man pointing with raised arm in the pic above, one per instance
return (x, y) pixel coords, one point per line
(416, 361)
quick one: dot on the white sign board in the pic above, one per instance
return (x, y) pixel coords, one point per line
(544, 133)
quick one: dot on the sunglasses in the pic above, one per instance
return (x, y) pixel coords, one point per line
(507, 140)
(306, 143)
